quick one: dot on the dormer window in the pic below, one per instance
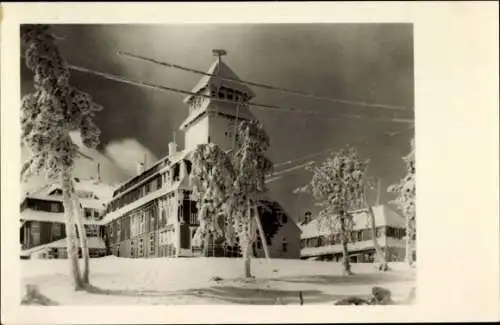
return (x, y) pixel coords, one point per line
(56, 192)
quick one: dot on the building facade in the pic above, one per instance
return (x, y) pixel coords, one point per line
(154, 214)
(320, 244)
(43, 230)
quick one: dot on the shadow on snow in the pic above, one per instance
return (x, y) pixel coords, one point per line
(230, 294)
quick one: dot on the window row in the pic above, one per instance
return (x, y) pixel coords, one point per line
(353, 236)
(136, 194)
(139, 178)
(158, 215)
(178, 170)
(229, 94)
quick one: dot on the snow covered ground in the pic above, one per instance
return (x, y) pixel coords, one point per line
(167, 281)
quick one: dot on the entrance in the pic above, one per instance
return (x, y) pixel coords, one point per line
(185, 234)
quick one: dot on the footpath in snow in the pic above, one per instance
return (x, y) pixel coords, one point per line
(175, 281)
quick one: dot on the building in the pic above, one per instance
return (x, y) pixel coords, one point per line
(43, 230)
(154, 214)
(318, 243)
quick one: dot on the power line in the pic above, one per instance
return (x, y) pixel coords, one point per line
(274, 176)
(245, 82)
(256, 105)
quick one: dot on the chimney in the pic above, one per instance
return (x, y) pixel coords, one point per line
(140, 168)
(172, 148)
(307, 217)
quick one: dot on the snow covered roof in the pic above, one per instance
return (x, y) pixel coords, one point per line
(220, 69)
(100, 192)
(384, 216)
(159, 166)
(92, 242)
(35, 215)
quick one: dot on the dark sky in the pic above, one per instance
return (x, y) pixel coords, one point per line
(361, 62)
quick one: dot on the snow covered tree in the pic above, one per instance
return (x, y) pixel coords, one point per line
(405, 192)
(213, 177)
(251, 167)
(48, 115)
(232, 185)
(338, 185)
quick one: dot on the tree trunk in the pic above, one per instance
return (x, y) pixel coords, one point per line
(83, 238)
(246, 257)
(408, 255)
(70, 230)
(261, 233)
(206, 241)
(379, 255)
(345, 252)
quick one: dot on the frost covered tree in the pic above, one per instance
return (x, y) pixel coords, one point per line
(405, 192)
(233, 184)
(213, 177)
(48, 115)
(338, 186)
(251, 167)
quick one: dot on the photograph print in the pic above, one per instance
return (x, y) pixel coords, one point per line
(249, 164)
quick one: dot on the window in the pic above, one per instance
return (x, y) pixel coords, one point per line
(142, 226)
(56, 230)
(118, 229)
(284, 245)
(359, 235)
(140, 252)
(151, 244)
(35, 232)
(54, 207)
(88, 213)
(91, 230)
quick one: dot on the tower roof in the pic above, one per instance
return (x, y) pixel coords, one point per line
(220, 69)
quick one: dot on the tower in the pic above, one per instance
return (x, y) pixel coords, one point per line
(214, 119)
